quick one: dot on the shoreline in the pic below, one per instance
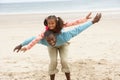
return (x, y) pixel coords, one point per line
(117, 11)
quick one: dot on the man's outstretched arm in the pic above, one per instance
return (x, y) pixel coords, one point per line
(24, 43)
(77, 30)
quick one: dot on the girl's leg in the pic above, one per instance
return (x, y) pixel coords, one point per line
(53, 62)
(63, 50)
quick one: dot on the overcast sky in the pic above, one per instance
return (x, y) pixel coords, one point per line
(17, 1)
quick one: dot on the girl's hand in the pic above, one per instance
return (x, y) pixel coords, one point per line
(88, 16)
(23, 49)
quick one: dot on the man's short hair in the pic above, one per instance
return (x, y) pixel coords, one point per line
(48, 33)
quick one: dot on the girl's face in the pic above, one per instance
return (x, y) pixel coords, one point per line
(51, 24)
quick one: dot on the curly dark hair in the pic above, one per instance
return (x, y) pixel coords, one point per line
(59, 23)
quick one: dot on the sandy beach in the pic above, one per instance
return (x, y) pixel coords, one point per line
(95, 52)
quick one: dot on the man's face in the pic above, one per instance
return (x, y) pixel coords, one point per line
(51, 39)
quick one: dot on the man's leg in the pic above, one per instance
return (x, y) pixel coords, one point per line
(53, 62)
(52, 77)
(63, 50)
(67, 75)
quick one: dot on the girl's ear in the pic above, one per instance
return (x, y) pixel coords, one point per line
(45, 22)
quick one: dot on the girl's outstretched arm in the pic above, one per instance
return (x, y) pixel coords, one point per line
(33, 42)
(79, 21)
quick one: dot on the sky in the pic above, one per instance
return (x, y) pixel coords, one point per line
(17, 1)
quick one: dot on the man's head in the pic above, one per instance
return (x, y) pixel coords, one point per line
(50, 37)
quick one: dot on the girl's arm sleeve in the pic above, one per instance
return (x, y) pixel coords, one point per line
(27, 41)
(76, 22)
(34, 41)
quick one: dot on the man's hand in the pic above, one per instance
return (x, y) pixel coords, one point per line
(89, 16)
(96, 18)
(17, 48)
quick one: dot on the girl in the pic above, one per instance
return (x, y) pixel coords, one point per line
(59, 24)
(55, 24)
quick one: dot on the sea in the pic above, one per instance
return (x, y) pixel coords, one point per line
(59, 6)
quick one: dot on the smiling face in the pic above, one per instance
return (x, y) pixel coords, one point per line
(51, 23)
(51, 39)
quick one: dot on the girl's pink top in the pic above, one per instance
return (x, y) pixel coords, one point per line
(41, 35)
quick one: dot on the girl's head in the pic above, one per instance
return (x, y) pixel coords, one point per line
(54, 23)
